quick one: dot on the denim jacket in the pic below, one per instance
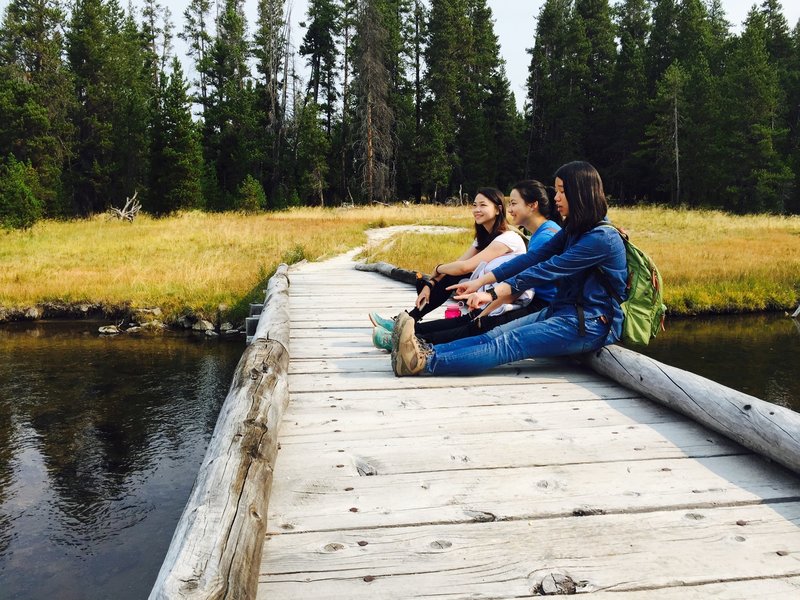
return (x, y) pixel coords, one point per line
(570, 262)
(544, 233)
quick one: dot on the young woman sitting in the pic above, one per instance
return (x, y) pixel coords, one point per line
(531, 207)
(584, 315)
(492, 239)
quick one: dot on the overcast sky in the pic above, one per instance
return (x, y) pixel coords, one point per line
(515, 25)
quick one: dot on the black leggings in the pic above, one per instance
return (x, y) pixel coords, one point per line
(442, 331)
(439, 294)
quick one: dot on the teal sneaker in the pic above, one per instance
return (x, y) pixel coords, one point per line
(382, 339)
(379, 321)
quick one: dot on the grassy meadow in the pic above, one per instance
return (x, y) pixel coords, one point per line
(195, 262)
(711, 262)
(190, 262)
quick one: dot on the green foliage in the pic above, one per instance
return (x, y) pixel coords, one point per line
(19, 206)
(176, 156)
(294, 255)
(251, 197)
(405, 99)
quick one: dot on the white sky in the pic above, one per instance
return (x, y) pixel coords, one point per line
(515, 26)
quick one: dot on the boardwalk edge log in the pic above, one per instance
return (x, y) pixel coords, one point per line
(216, 548)
(771, 430)
(388, 270)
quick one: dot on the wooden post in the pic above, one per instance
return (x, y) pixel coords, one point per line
(796, 313)
(216, 549)
(769, 429)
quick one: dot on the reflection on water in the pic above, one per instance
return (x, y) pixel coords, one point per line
(755, 354)
(100, 442)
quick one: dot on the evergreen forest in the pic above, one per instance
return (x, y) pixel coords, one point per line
(385, 100)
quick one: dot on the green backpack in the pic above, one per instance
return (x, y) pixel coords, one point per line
(644, 309)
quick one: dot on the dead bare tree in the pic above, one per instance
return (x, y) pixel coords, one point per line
(127, 212)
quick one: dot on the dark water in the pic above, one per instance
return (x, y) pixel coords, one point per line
(755, 354)
(100, 442)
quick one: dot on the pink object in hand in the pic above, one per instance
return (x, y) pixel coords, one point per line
(452, 311)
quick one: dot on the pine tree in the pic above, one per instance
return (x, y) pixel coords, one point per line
(757, 179)
(230, 123)
(35, 95)
(311, 151)
(446, 57)
(196, 35)
(88, 49)
(319, 45)
(374, 144)
(131, 80)
(662, 44)
(628, 172)
(597, 137)
(793, 120)
(556, 102)
(269, 47)
(663, 135)
(176, 155)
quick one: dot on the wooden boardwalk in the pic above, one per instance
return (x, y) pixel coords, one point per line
(503, 484)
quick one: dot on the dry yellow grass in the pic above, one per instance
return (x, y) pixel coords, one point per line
(189, 262)
(711, 262)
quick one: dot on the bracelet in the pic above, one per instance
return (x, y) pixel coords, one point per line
(436, 269)
(492, 293)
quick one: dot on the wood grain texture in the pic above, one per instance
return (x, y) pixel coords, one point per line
(218, 540)
(770, 430)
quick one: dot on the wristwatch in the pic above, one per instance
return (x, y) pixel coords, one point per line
(492, 293)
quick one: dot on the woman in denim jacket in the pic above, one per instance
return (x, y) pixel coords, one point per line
(583, 316)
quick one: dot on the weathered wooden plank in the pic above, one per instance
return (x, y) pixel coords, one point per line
(446, 452)
(783, 588)
(363, 421)
(768, 429)
(633, 552)
(465, 396)
(309, 504)
(381, 380)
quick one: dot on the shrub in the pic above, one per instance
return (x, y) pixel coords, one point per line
(251, 197)
(19, 206)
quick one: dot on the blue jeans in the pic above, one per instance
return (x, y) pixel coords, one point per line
(535, 335)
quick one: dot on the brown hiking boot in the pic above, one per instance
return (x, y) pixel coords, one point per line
(409, 356)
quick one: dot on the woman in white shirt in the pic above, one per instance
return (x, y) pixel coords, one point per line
(493, 239)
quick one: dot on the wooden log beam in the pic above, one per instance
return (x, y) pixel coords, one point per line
(389, 270)
(769, 429)
(273, 322)
(216, 549)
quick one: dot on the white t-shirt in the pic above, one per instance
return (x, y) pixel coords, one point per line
(513, 240)
(516, 246)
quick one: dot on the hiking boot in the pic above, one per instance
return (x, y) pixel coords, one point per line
(379, 321)
(409, 355)
(382, 339)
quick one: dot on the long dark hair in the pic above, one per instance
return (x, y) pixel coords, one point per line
(584, 191)
(532, 191)
(483, 237)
